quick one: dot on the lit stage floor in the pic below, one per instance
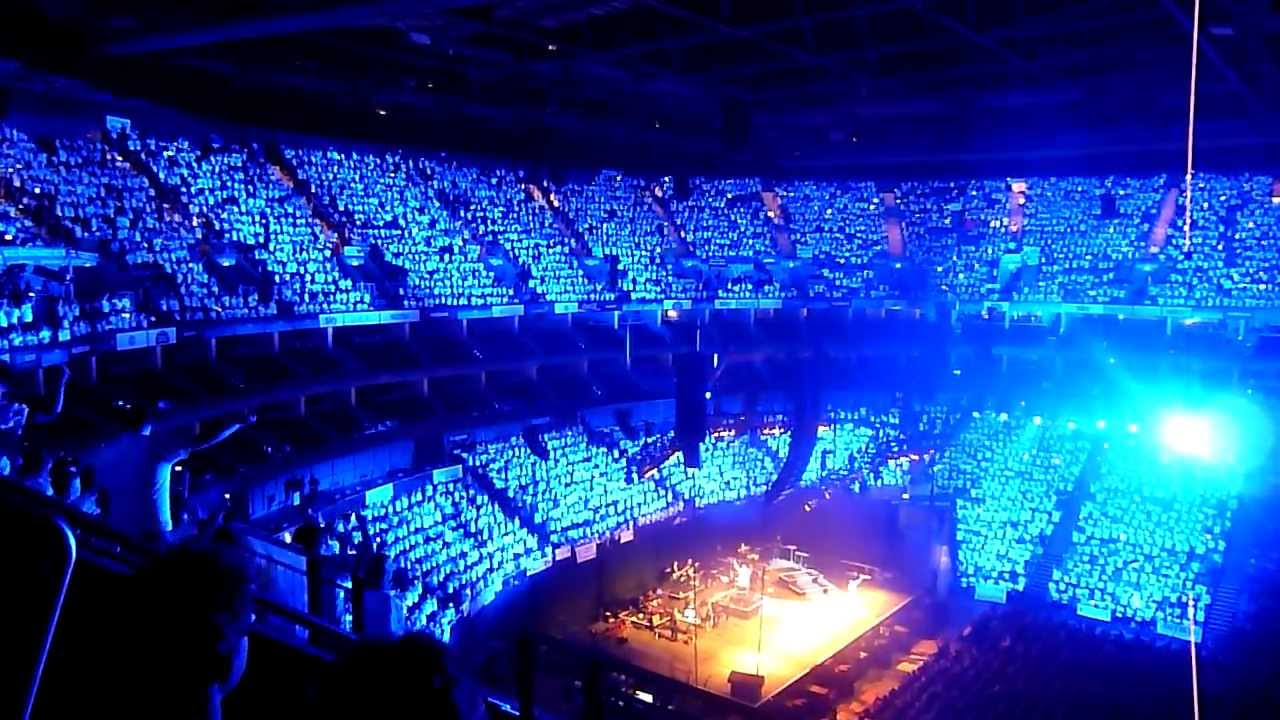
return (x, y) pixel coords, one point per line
(798, 634)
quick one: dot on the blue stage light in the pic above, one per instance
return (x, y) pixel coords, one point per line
(1188, 435)
(1133, 427)
(1037, 420)
(1071, 425)
(1101, 424)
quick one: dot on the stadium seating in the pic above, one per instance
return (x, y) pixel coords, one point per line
(1151, 535)
(499, 208)
(734, 466)
(1012, 664)
(235, 234)
(458, 547)
(398, 204)
(254, 209)
(616, 219)
(1007, 475)
(583, 490)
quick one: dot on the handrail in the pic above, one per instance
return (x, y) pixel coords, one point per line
(106, 544)
(57, 353)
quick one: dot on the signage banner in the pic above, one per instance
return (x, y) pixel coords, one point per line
(584, 552)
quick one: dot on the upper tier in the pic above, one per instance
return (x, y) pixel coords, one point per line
(160, 232)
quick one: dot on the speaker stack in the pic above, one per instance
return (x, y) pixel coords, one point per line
(691, 370)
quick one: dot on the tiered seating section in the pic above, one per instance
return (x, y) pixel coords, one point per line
(458, 547)
(585, 490)
(1007, 475)
(734, 466)
(400, 204)
(257, 214)
(1015, 665)
(240, 236)
(1151, 535)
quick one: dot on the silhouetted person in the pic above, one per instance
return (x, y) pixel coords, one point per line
(382, 610)
(405, 678)
(189, 632)
(136, 467)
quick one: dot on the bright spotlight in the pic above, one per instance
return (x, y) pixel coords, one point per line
(1133, 427)
(1003, 417)
(1037, 420)
(1188, 435)
(1071, 425)
(1101, 424)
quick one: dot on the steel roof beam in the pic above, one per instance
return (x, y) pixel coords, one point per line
(347, 16)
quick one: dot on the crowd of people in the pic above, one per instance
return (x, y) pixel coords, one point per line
(1007, 475)
(257, 218)
(733, 466)
(455, 547)
(615, 218)
(235, 235)
(1150, 537)
(584, 489)
(399, 205)
(1016, 664)
(499, 207)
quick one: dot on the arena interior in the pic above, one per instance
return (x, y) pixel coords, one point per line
(688, 359)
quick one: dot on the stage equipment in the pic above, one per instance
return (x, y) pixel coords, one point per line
(745, 686)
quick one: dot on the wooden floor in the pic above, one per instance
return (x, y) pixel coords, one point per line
(798, 633)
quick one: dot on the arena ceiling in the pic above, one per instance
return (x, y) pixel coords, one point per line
(815, 86)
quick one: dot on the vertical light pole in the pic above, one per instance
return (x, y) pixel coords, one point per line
(1191, 122)
(1191, 624)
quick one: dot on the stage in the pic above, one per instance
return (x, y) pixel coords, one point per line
(798, 634)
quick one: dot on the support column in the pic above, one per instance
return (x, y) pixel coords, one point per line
(275, 342)
(426, 387)
(328, 338)
(353, 395)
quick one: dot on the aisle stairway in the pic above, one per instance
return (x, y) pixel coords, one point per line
(1221, 616)
(504, 503)
(1040, 574)
(288, 174)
